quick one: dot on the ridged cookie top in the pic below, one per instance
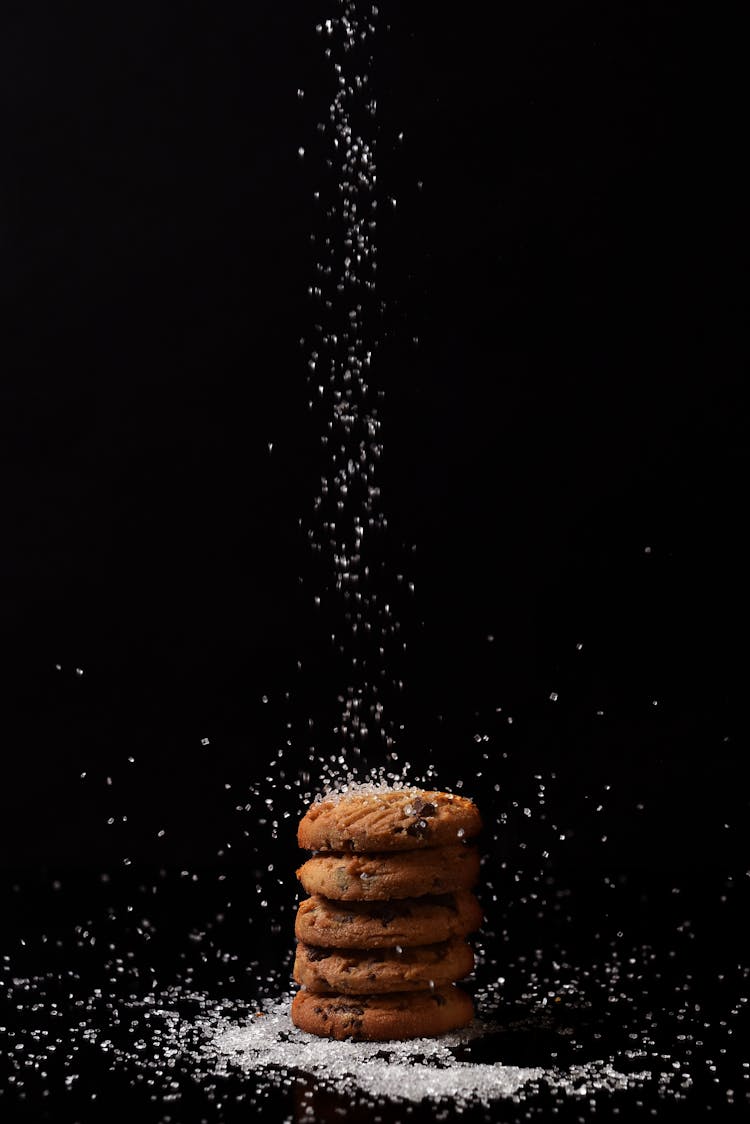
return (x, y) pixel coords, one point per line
(388, 820)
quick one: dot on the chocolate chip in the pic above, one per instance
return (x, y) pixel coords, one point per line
(386, 915)
(418, 829)
(422, 807)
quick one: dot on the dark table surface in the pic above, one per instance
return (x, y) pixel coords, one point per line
(115, 990)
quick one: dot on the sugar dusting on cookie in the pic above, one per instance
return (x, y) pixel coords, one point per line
(337, 790)
(334, 790)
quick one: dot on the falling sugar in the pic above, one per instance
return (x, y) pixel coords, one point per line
(348, 524)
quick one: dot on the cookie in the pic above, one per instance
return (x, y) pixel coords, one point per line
(385, 970)
(377, 1018)
(387, 820)
(394, 874)
(366, 925)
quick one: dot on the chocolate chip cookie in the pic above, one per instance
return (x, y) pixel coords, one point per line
(386, 970)
(370, 925)
(394, 874)
(388, 820)
(377, 1018)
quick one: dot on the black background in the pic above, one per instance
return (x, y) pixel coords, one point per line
(571, 269)
(562, 353)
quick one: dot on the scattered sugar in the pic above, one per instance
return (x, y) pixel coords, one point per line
(423, 1068)
(552, 1015)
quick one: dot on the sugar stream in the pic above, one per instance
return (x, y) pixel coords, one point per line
(355, 593)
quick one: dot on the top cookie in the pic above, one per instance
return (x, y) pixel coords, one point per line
(388, 820)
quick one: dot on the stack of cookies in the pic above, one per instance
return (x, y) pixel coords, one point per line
(382, 937)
